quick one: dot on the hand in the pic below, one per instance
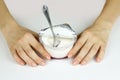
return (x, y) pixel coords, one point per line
(24, 45)
(91, 43)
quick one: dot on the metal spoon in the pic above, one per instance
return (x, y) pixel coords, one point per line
(56, 42)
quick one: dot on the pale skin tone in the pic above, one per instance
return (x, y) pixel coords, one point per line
(91, 42)
(23, 43)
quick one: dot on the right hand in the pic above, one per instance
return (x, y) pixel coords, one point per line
(24, 45)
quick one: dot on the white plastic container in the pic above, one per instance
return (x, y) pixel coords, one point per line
(67, 38)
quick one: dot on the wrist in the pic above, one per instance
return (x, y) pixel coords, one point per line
(8, 22)
(8, 26)
(103, 23)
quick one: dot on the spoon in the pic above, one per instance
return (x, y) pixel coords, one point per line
(56, 42)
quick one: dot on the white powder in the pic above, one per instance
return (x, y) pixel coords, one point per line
(66, 36)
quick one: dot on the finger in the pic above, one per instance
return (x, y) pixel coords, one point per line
(100, 54)
(17, 58)
(35, 44)
(33, 55)
(25, 57)
(85, 49)
(91, 54)
(81, 41)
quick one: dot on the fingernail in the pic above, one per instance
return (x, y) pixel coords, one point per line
(69, 55)
(83, 62)
(21, 63)
(33, 64)
(98, 59)
(42, 63)
(75, 62)
(48, 57)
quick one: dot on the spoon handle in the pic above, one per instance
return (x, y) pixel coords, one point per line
(46, 13)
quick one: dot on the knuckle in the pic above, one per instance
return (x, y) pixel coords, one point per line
(87, 33)
(41, 50)
(32, 54)
(27, 35)
(37, 46)
(38, 60)
(29, 51)
(21, 53)
(94, 49)
(44, 53)
(20, 41)
(84, 50)
(79, 58)
(90, 35)
(88, 58)
(79, 43)
(102, 44)
(29, 61)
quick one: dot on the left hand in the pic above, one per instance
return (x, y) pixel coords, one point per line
(91, 43)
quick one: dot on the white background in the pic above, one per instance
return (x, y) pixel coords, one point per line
(79, 14)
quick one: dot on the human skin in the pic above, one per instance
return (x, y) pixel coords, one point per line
(92, 41)
(22, 42)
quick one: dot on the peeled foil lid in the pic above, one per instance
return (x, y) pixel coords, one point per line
(62, 31)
